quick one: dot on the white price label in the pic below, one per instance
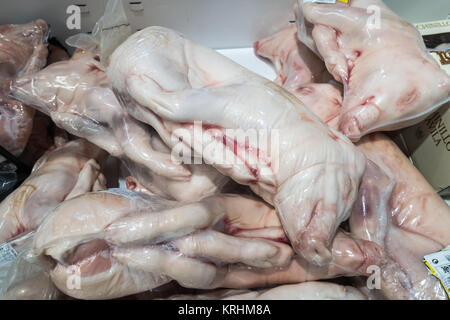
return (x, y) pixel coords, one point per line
(439, 265)
(7, 253)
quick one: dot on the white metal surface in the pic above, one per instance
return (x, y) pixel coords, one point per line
(214, 23)
(247, 58)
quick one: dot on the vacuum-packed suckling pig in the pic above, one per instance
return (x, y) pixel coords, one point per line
(401, 212)
(58, 175)
(116, 243)
(22, 51)
(45, 133)
(390, 80)
(308, 171)
(302, 73)
(76, 95)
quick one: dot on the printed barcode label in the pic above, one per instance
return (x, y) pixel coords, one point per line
(438, 264)
(7, 253)
(445, 269)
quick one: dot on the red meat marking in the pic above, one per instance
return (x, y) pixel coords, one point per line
(207, 126)
(305, 90)
(368, 101)
(233, 145)
(20, 229)
(409, 98)
(256, 46)
(333, 135)
(349, 72)
(94, 68)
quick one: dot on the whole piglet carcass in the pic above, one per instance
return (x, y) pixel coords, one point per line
(76, 95)
(60, 174)
(22, 51)
(308, 171)
(401, 212)
(390, 80)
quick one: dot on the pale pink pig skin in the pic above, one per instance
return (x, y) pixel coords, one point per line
(301, 72)
(400, 211)
(76, 95)
(390, 80)
(22, 51)
(59, 174)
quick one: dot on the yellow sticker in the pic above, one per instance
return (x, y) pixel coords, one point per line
(439, 265)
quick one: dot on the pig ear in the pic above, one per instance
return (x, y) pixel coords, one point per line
(88, 129)
(84, 128)
(327, 45)
(87, 178)
(339, 17)
(159, 162)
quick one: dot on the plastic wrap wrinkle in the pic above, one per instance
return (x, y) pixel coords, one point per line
(57, 175)
(117, 236)
(86, 107)
(398, 210)
(211, 82)
(22, 52)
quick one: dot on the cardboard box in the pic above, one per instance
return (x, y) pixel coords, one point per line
(428, 143)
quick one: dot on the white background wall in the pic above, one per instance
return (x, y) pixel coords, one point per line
(215, 23)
